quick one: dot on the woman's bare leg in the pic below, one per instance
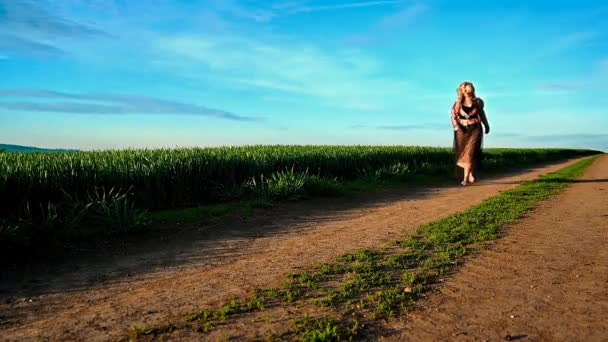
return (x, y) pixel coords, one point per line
(471, 176)
(467, 174)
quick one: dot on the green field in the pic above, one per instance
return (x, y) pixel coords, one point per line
(54, 197)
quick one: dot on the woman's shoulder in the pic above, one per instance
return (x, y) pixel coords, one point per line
(479, 101)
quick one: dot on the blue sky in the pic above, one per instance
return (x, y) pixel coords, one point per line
(103, 74)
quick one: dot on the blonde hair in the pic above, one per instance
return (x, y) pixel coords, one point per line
(460, 91)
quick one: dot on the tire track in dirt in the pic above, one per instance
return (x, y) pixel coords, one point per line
(100, 301)
(546, 280)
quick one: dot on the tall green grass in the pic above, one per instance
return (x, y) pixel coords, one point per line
(167, 178)
(54, 194)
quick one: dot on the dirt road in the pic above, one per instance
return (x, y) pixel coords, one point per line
(546, 280)
(102, 296)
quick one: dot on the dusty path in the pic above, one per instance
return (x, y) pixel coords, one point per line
(546, 280)
(100, 299)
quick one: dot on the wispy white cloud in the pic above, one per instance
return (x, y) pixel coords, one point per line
(402, 18)
(574, 136)
(405, 127)
(567, 42)
(602, 67)
(275, 10)
(226, 55)
(237, 9)
(334, 7)
(555, 46)
(25, 46)
(32, 17)
(551, 47)
(112, 104)
(31, 28)
(569, 140)
(287, 5)
(389, 25)
(595, 80)
(347, 79)
(560, 87)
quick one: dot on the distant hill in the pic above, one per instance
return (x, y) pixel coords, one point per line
(19, 148)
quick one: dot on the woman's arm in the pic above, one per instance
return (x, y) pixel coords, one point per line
(454, 112)
(484, 118)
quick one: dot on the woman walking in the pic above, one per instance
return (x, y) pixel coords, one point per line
(467, 117)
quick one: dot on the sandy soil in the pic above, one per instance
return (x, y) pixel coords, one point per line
(101, 295)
